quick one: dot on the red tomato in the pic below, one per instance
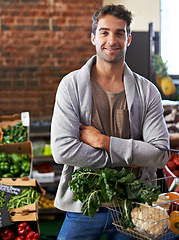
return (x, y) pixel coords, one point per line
(171, 157)
(176, 172)
(176, 161)
(171, 165)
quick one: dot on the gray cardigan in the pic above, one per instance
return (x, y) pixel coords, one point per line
(147, 125)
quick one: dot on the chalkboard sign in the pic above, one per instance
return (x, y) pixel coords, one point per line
(4, 214)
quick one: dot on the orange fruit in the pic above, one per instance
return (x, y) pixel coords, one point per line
(173, 196)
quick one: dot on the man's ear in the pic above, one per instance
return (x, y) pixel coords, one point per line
(129, 40)
(93, 39)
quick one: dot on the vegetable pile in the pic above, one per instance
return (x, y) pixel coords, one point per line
(14, 134)
(23, 232)
(173, 163)
(14, 165)
(96, 186)
(28, 196)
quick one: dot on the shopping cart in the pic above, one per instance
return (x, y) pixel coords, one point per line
(151, 222)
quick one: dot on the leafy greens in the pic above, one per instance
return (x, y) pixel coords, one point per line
(96, 186)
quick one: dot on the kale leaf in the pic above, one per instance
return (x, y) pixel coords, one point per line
(96, 186)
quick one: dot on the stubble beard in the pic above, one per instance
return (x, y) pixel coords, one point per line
(114, 60)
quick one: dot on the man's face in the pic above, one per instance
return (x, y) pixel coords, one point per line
(111, 40)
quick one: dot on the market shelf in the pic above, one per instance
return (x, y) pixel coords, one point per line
(48, 211)
(38, 159)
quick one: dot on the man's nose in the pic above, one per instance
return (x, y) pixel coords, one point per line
(112, 39)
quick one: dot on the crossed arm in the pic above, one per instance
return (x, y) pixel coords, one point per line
(94, 138)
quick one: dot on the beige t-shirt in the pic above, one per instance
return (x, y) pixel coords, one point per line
(110, 114)
(109, 111)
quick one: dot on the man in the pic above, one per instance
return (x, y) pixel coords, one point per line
(105, 115)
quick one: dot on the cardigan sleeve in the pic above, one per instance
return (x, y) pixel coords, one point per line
(65, 144)
(144, 152)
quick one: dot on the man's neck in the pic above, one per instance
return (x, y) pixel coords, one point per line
(109, 76)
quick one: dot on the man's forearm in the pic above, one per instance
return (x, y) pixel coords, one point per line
(93, 137)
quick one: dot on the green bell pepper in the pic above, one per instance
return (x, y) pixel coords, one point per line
(25, 166)
(4, 167)
(25, 157)
(3, 157)
(15, 158)
(14, 169)
(23, 174)
(8, 175)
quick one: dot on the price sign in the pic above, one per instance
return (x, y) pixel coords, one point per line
(4, 214)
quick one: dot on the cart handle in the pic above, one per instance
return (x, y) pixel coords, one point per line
(169, 149)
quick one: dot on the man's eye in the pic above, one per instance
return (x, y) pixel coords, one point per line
(104, 33)
(119, 34)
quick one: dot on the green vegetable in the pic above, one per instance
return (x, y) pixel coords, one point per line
(0, 173)
(25, 157)
(14, 169)
(3, 157)
(4, 167)
(15, 158)
(25, 166)
(8, 175)
(2, 199)
(96, 186)
(23, 174)
(28, 196)
(14, 134)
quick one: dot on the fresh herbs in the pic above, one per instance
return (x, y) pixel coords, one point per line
(96, 186)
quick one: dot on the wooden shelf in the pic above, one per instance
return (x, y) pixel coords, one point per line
(39, 134)
(38, 159)
(51, 184)
(49, 211)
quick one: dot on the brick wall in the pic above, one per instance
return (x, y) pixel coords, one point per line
(40, 42)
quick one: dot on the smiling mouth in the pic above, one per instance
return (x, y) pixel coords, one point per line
(111, 49)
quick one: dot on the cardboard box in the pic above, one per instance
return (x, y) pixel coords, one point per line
(25, 181)
(33, 224)
(25, 213)
(24, 147)
(11, 120)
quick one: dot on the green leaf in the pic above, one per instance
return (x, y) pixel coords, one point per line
(126, 218)
(91, 204)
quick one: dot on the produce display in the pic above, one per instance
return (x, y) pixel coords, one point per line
(14, 165)
(14, 134)
(46, 203)
(22, 231)
(28, 195)
(163, 80)
(173, 163)
(96, 186)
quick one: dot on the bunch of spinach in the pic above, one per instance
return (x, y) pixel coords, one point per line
(96, 186)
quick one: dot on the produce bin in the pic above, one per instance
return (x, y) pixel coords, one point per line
(23, 208)
(19, 148)
(23, 182)
(14, 229)
(25, 213)
(11, 121)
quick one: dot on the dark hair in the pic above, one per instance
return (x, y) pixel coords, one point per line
(118, 11)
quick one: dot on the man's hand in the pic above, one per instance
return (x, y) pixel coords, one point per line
(91, 136)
